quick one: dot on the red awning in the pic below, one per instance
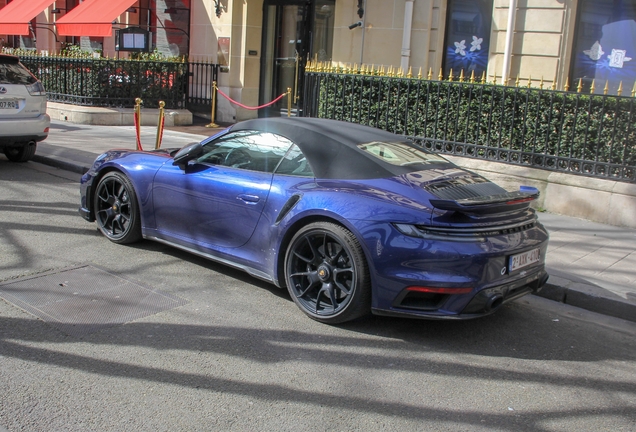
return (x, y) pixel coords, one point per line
(15, 17)
(92, 18)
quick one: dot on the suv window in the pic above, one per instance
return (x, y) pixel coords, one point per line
(15, 73)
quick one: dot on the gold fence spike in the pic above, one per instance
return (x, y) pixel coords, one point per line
(440, 77)
(634, 90)
(620, 88)
(461, 76)
(410, 74)
(529, 81)
(419, 74)
(450, 75)
(541, 83)
(472, 76)
(483, 77)
(606, 89)
(592, 87)
(517, 82)
(494, 79)
(400, 72)
(567, 84)
(372, 70)
(579, 88)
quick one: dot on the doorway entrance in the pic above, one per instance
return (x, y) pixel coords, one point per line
(293, 31)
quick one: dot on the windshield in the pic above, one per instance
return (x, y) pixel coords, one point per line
(401, 153)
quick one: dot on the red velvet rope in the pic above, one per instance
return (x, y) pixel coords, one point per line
(247, 107)
(137, 131)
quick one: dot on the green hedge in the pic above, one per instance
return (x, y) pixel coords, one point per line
(110, 82)
(596, 128)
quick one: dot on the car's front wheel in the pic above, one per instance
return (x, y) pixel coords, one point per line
(117, 209)
(327, 274)
(20, 153)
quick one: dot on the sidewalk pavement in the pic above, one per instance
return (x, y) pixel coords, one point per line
(591, 265)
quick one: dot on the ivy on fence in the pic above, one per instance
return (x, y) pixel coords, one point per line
(110, 82)
(586, 134)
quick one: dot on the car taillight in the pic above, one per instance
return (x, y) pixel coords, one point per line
(440, 290)
(36, 89)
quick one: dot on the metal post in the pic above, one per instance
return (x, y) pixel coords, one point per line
(162, 104)
(213, 115)
(289, 101)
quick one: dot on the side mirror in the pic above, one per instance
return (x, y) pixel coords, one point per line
(187, 153)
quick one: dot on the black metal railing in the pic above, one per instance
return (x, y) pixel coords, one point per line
(200, 87)
(111, 82)
(592, 135)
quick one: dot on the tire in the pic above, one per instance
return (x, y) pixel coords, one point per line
(327, 274)
(20, 153)
(117, 209)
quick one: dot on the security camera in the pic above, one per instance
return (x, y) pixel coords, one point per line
(354, 25)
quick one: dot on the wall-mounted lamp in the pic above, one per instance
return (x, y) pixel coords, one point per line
(218, 8)
(131, 10)
(170, 11)
(354, 25)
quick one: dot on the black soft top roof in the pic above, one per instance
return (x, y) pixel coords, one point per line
(331, 146)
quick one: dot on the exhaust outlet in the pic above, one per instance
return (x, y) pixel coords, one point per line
(494, 302)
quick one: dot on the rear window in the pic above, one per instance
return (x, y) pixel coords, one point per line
(15, 74)
(397, 153)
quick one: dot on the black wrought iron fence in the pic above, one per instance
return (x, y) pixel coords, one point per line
(200, 87)
(111, 82)
(592, 135)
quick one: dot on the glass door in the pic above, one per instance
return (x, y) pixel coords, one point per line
(292, 32)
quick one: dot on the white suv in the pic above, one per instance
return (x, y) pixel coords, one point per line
(23, 117)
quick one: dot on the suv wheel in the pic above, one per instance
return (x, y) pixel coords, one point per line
(20, 154)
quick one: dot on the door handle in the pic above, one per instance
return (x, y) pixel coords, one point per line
(249, 199)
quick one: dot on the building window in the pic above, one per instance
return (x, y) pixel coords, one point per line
(605, 46)
(467, 37)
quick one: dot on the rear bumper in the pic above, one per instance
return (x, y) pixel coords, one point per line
(19, 131)
(484, 303)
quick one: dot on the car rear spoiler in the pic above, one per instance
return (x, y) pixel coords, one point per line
(483, 205)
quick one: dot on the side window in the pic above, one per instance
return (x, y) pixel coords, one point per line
(247, 149)
(295, 163)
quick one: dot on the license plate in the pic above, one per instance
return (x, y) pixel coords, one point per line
(525, 259)
(8, 105)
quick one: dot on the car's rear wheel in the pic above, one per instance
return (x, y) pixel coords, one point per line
(22, 153)
(327, 274)
(117, 209)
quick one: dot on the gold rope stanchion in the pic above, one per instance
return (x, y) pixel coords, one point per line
(289, 101)
(137, 120)
(212, 116)
(160, 124)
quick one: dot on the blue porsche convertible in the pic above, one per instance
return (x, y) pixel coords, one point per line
(350, 219)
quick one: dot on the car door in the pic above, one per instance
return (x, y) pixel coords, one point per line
(218, 198)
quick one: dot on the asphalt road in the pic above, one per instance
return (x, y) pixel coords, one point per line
(239, 355)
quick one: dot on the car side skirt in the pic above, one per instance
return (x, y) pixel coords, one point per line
(249, 270)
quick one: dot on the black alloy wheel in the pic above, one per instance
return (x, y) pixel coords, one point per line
(116, 209)
(327, 275)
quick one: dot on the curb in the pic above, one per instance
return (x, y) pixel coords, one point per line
(588, 297)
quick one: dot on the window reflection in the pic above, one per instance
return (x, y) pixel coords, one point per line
(251, 150)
